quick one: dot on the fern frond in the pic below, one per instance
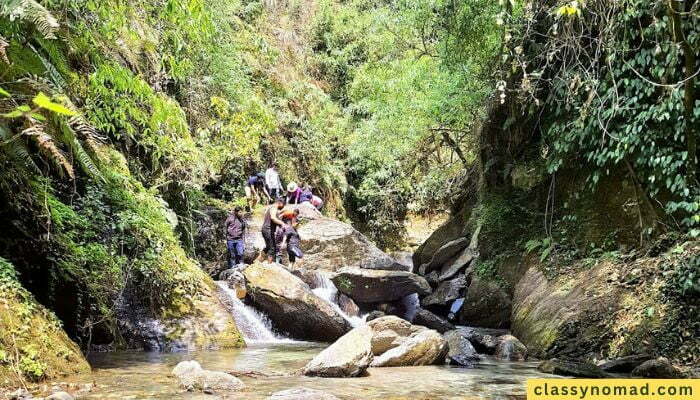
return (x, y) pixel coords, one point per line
(47, 146)
(87, 133)
(16, 151)
(54, 74)
(70, 138)
(31, 11)
(3, 47)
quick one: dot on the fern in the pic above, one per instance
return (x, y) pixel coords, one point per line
(16, 151)
(48, 147)
(70, 138)
(33, 12)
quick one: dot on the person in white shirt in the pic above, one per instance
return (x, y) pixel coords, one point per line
(273, 182)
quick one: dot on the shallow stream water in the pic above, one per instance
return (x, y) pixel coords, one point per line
(138, 375)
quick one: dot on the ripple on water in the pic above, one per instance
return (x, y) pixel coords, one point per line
(138, 375)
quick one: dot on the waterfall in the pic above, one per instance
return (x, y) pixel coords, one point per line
(255, 327)
(327, 291)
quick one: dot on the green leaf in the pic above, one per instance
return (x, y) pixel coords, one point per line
(4, 92)
(43, 101)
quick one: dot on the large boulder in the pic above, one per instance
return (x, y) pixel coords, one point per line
(446, 292)
(348, 306)
(426, 318)
(484, 340)
(624, 364)
(291, 305)
(577, 369)
(451, 268)
(375, 286)
(443, 255)
(460, 349)
(425, 347)
(486, 305)
(331, 245)
(349, 356)
(302, 393)
(452, 229)
(396, 342)
(509, 348)
(193, 377)
(660, 368)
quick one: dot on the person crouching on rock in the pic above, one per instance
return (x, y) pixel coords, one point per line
(235, 229)
(291, 239)
(271, 222)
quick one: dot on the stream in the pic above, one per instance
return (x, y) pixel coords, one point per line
(138, 375)
(141, 375)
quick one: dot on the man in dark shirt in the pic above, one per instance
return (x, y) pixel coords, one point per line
(235, 228)
(271, 222)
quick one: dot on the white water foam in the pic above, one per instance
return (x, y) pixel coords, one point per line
(329, 293)
(254, 326)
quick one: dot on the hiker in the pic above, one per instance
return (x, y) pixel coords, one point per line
(271, 222)
(235, 229)
(306, 194)
(317, 202)
(253, 187)
(291, 216)
(290, 239)
(293, 193)
(273, 182)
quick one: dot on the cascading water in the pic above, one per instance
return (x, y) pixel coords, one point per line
(254, 327)
(327, 291)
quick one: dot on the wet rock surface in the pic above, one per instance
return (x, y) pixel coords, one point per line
(510, 348)
(291, 305)
(624, 364)
(374, 286)
(460, 350)
(192, 377)
(349, 356)
(659, 368)
(302, 393)
(577, 369)
(426, 318)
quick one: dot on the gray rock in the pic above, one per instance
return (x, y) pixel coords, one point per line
(445, 253)
(660, 368)
(484, 340)
(509, 348)
(451, 268)
(302, 393)
(349, 356)
(374, 315)
(432, 278)
(375, 286)
(624, 364)
(486, 305)
(310, 277)
(446, 292)
(331, 245)
(572, 368)
(461, 351)
(426, 347)
(291, 305)
(193, 377)
(20, 394)
(348, 306)
(389, 332)
(426, 318)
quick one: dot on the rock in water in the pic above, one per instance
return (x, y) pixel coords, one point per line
(446, 292)
(331, 245)
(60, 396)
(486, 305)
(426, 347)
(374, 315)
(425, 318)
(291, 305)
(660, 368)
(193, 377)
(350, 356)
(625, 364)
(484, 340)
(348, 306)
(235, 280)
(302, 393)
(376, 286)
(572, 368)
(509, 348)
(460, 350)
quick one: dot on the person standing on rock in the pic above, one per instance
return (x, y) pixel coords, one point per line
(273, 182)
(271, 222)
(253, 187)
(291, 239)
(235, 229)
(293, 193)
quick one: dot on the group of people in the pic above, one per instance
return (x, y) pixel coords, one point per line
(279, 228)
(269, 185)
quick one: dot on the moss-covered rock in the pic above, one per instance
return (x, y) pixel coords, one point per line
(33, 346)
